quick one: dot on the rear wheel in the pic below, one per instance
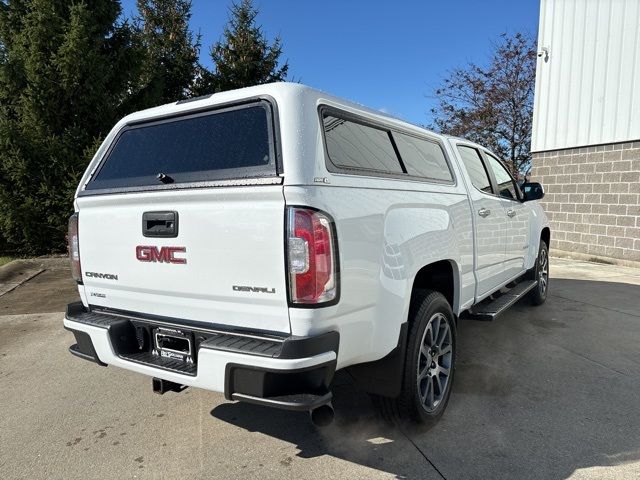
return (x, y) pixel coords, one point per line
(540, 273)
(429, 363)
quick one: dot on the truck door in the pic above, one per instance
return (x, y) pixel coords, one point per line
(490, 222)
(517, 239)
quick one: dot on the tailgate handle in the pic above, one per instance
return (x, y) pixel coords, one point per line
(160, 224)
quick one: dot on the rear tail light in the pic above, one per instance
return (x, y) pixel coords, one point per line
(73, 244)
(312, 258)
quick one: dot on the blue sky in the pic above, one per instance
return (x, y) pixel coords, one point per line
(386, 55)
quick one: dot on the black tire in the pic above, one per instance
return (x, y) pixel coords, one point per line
(412, 405)
(540, 272)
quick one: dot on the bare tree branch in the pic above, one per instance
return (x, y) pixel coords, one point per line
(493, 105)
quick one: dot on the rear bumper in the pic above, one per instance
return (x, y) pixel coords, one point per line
(284, 372)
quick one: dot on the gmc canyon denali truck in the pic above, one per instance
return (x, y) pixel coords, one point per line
(254, 242)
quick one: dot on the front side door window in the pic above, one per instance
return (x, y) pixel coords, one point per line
(507, 187)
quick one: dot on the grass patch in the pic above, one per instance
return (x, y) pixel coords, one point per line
(4, 260)
(600, 260)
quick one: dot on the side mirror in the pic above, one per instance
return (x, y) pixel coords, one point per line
(532, 191)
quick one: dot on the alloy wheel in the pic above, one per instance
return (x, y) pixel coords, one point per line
(434, 362)
(543, 271)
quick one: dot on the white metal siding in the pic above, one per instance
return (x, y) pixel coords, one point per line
(588, 93)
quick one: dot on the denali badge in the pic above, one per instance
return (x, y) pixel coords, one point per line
(107, 276)
(240, 288)
(146, 253)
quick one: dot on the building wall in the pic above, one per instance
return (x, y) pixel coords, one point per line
(593, 199)
(588, 89)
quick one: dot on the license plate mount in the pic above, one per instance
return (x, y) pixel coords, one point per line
(174, 344)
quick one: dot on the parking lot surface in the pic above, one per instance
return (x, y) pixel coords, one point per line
(543, 392)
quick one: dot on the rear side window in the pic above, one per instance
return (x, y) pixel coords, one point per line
(353, 145)
(422, 158)
(361, 147)
(225, 144)
(475, 167)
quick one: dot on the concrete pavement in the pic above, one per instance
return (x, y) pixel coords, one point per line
(543, 392)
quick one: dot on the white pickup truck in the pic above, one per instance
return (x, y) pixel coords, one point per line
(254, 242)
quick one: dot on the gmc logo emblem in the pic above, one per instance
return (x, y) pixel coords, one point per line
(146, 253)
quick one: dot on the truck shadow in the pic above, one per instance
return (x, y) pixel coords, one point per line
(356, 435)
(539, 393)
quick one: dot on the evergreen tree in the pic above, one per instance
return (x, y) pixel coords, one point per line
(244, 56)
(169, 52)
(64, 79)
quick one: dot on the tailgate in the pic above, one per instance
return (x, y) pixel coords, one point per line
(205, 185)
(227, 266)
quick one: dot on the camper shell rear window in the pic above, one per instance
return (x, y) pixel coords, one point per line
(235, 142)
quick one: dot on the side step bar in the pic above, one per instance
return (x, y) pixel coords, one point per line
(491, 310)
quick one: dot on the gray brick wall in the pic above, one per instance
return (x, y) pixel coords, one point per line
(592, 199)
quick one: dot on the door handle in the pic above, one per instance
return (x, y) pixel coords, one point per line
(511, 213)
(484, 212)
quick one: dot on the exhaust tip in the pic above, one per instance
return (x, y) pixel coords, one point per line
(322, 416)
